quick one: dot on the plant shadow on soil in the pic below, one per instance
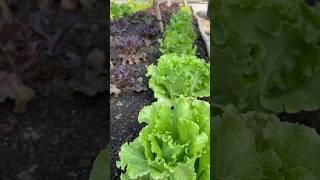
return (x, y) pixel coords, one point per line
(61, 133)
(124, 109)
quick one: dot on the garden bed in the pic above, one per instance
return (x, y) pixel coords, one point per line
(125, 107)
(58, 138)
(62, 129)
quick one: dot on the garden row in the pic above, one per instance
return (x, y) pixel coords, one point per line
(134, 45)
(175, 143)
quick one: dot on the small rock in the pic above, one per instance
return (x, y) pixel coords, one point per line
(114, 90)
(140, 79)
(118, 116)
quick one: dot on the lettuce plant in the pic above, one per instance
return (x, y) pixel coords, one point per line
(175, 143)
(131, 6)
(266, 55)
(179, 34)
(258, 146)
(176, 75)
(119, 10)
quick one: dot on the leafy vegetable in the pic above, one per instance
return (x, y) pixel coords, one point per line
(129, 48)
(131, 6)
(258, 146)
(179, 75)
(23, 47)
(101, 166)
(179, 34)
(266, 55)
(118, 10)
(120, 78)
(174, 144)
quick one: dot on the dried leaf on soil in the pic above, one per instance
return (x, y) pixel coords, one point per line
(11, 86)
(114, 90)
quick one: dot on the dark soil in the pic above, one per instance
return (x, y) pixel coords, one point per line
(62, 131)
(125, 108)
(58, 136)
(310, 119)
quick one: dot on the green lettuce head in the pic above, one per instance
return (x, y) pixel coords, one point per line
(179, 75)
(179, 34)
(259, 146)
(175, 144)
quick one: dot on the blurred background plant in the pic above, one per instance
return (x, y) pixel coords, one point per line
(118, 10)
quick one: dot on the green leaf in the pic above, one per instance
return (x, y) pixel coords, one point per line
(133, 160)
(258, 146)
(101, 166)
(269, 51)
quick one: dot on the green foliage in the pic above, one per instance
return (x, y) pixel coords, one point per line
(132, 6)
(101, 166)
(179, 75)
(179, 34)
(119, 10)
(258, 146)
(174, 144)
(138, 6)
(266, 55)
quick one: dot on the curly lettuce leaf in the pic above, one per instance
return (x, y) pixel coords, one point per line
(179, 75)
(173, 145)
(266, 55)
(258, 146)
